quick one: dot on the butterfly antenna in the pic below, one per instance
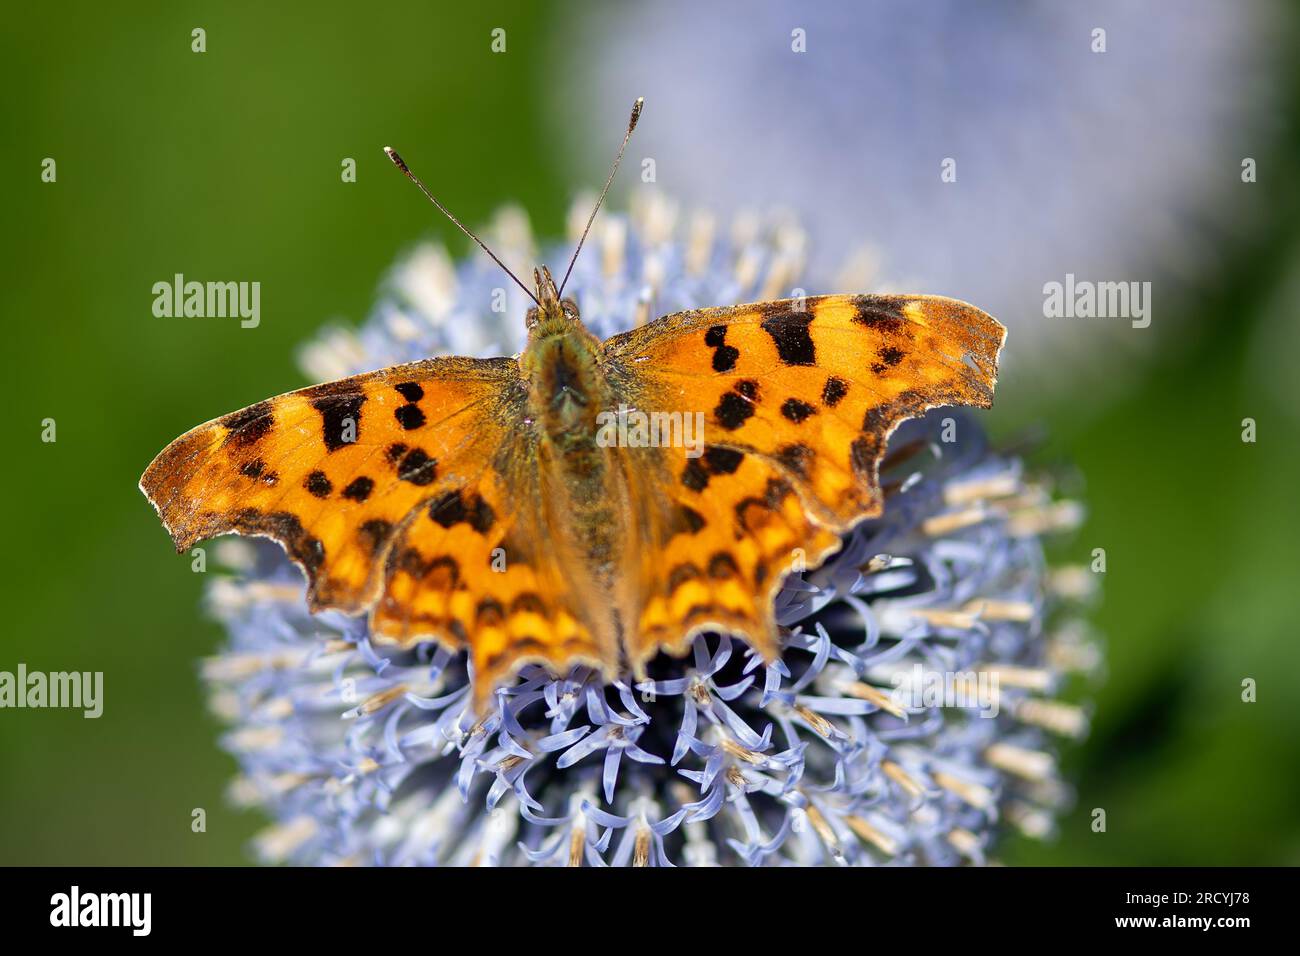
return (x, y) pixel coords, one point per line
(631, 125)
(406, 170)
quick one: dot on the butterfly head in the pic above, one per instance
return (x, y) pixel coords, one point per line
(552, 314)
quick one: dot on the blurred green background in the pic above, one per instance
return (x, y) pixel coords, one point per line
(226, 165)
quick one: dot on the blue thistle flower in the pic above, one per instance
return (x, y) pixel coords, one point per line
(832, 754)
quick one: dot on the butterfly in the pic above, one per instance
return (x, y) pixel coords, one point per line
(479, 503)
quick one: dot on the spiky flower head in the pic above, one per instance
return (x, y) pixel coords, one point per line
(909, 717)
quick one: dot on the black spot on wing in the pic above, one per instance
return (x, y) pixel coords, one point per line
(409, 416)
(834, 392)
(789, 332)
(722, 461)
(714, 461)
(417, 467)
(890, 355)
(453, 508)
(447, 510)
(480, 515)
(359, 489)
(879, 316)
(737, 406)
(340, 414)
(724, 355)
(249, 425)
(732, 411)
(318, 485)
(411, 391)
(694, 476)
(797, 411)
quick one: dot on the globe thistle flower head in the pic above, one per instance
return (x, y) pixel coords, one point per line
(910, 715)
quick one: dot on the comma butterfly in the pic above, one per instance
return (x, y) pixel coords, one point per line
(469, 501)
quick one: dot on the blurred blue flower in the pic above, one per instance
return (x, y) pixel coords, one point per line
(1117, 166)
(833, 754)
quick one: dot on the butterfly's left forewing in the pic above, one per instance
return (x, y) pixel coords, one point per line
(334, 472)
(411, 492)
(798, 399)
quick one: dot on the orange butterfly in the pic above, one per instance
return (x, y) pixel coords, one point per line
(489, 505)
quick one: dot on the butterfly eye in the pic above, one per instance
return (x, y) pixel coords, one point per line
(570, 308)
(530, 319)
